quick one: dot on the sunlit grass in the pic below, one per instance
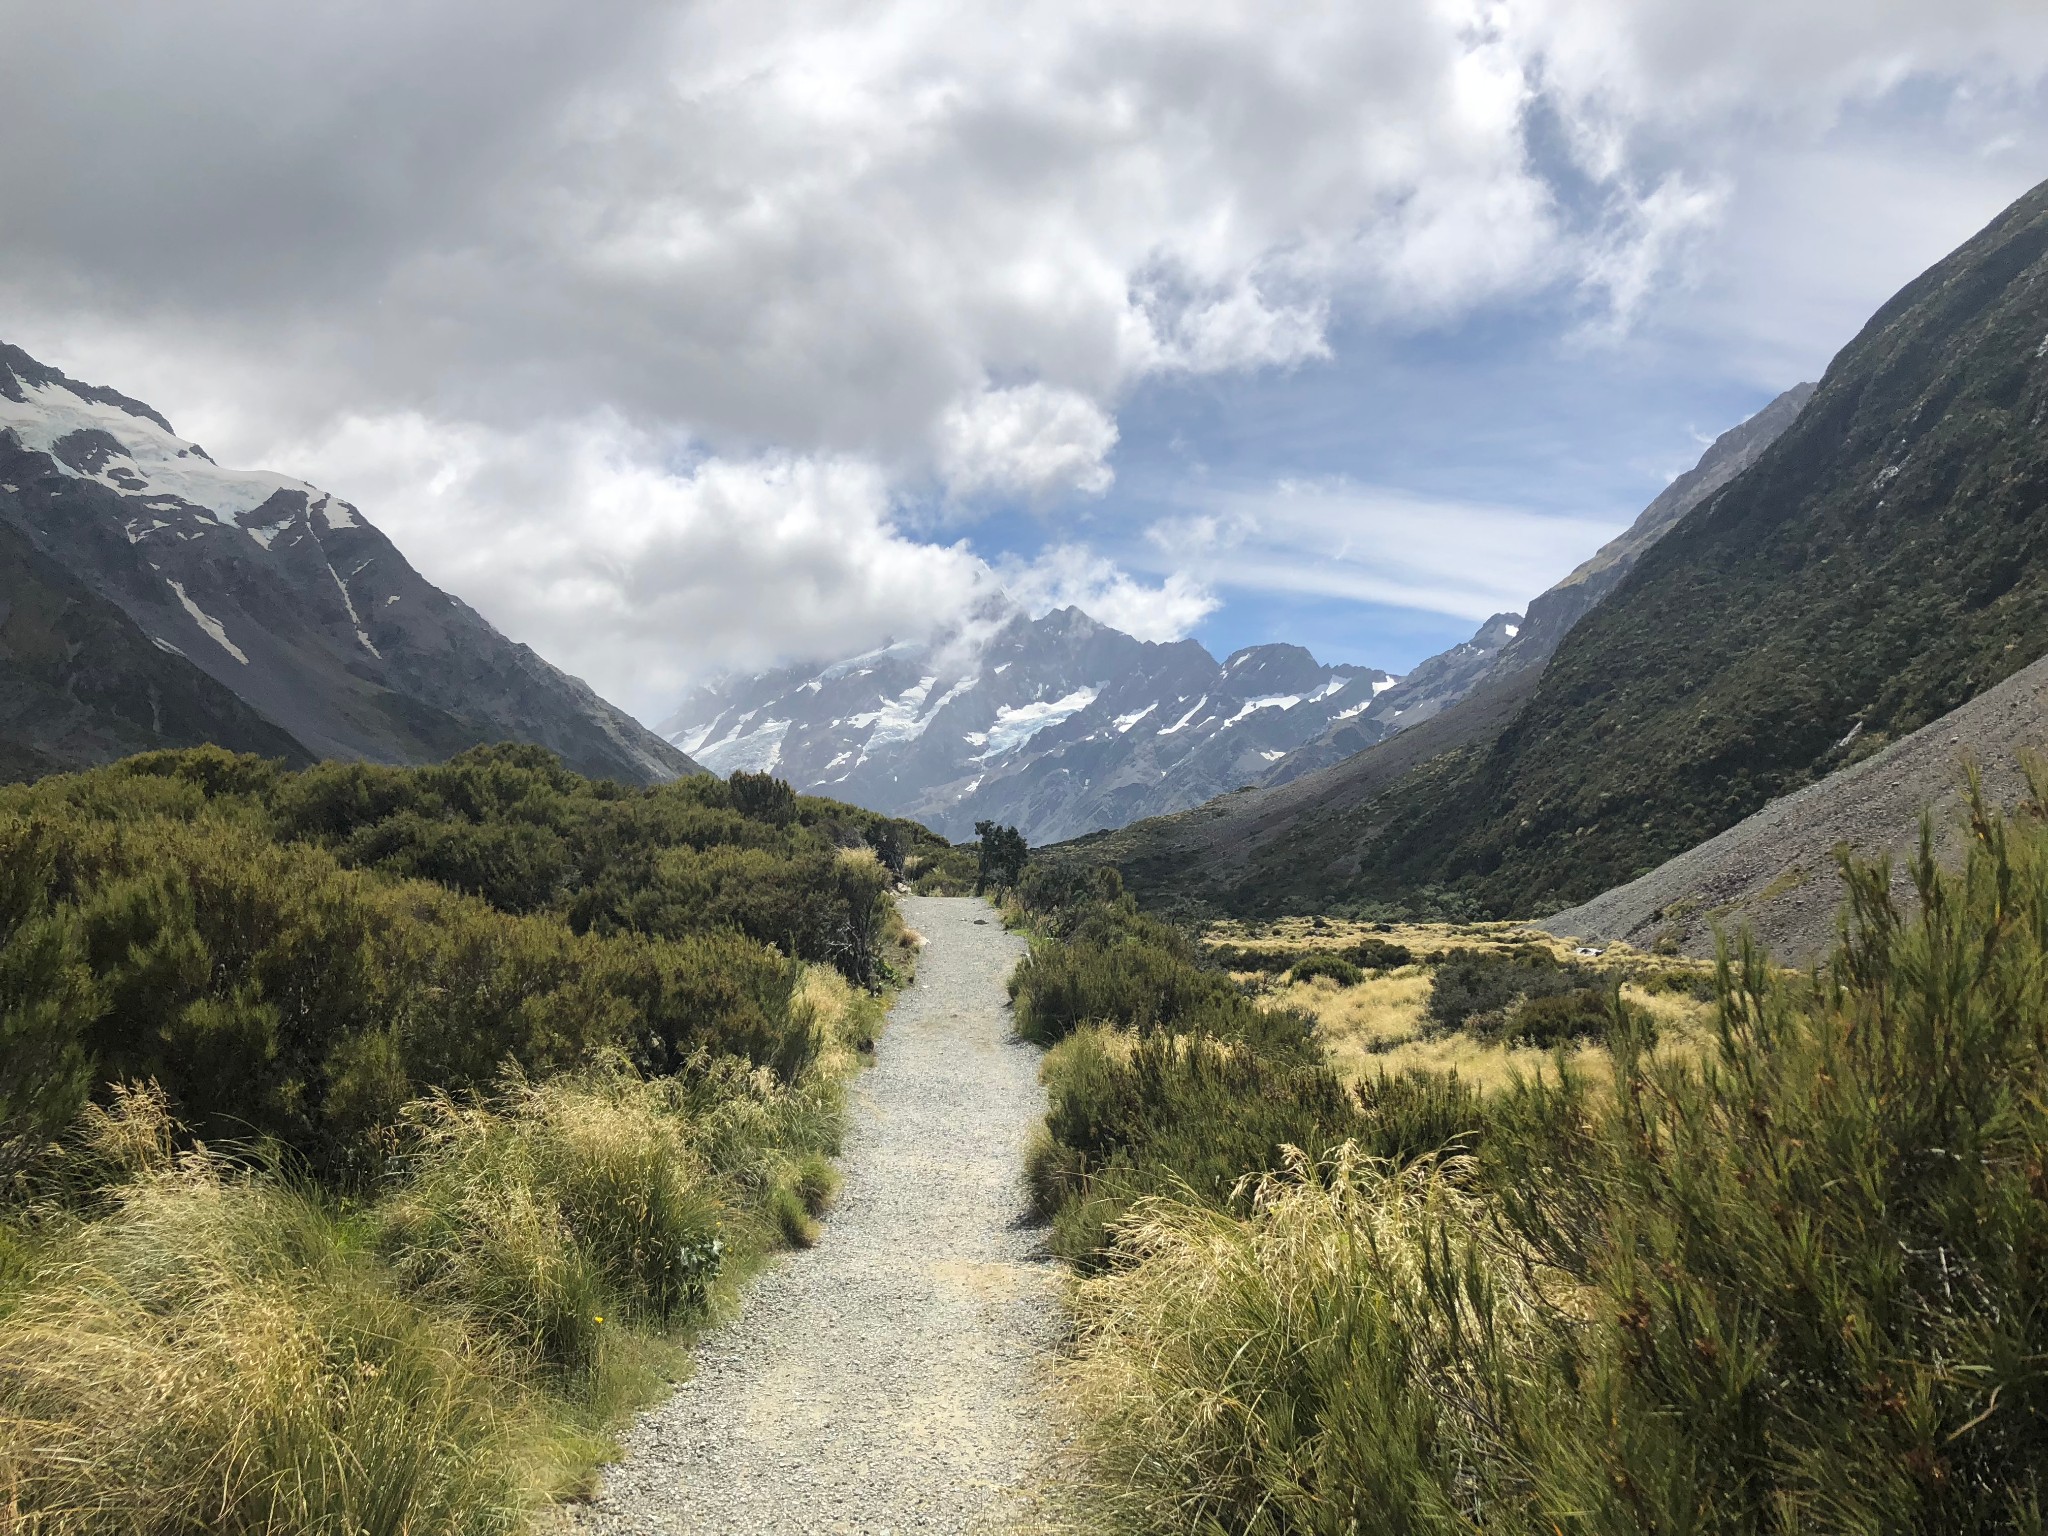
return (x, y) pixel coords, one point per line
(191, 1341)
(1381, 1025)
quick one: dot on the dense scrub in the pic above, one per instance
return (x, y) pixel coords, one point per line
(369, 1136)
(1796, 1286)
(295, 955)
(1164, 1076)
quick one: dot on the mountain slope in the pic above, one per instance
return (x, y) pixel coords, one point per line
(1514, 642)
(1056, 725)
(1775, 872)
(282, 594)
(1882, 562)
(80, 683)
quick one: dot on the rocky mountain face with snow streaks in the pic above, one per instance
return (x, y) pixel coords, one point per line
(1056, 724)
(273, 591)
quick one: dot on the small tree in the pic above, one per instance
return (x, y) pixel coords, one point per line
(1002, 855)
(888, 845)
(762, 797)
(862, 883)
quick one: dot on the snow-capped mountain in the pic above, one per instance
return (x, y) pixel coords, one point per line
(1058, 725)
(283, 595)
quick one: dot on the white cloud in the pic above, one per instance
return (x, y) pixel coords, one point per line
(1071, 575)
(1372, 544)
(1027, 439)
(641, 578)
(637, 323)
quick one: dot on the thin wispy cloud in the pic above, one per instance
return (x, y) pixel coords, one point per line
(1374, 544)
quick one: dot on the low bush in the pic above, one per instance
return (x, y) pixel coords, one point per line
(1565, 1018)
(1379, 955)
(1335, 967)
(1120, 967)
(1163, 1076)
(294, 956)
(1245, 957)
(1478, 990)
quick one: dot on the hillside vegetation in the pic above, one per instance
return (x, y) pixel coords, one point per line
(1882, 562)
(368, 1136)
(1790, 1282)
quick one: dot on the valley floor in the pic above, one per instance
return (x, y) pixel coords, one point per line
(887, 1380)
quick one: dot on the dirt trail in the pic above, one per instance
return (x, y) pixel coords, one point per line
(887, 1380)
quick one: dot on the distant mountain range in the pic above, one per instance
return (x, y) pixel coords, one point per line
(1061, 726)
(150, 597)
(1879, 564)
(1056, 725)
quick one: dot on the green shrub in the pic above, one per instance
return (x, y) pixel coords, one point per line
(1476, 990)
(1245, 957)
(1563, 1018)
(294, 956)
(1122, 968)
(1417, 1114)
(1379, 955)
(1335, 967)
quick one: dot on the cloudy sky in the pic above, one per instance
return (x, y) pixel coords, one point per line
(681, 338)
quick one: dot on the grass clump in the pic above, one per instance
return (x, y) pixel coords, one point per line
(217, 1352)
(191, 1339)
(816, 1182)
(551, 1211)
(1793, 1285)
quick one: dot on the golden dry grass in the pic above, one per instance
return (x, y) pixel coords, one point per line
(1380, 1025)
(1306, 935)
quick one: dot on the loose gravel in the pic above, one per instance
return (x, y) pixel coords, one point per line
(888, 1380)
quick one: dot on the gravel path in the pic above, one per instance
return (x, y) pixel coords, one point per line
(885, 1381)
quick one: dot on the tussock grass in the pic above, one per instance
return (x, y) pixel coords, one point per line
(1788, 1282)
(1260, 1372)
(216, 1354)
(192, 1340)
(549, 1212)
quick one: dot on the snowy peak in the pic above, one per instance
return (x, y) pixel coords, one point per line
(1057, 723)
(280, 592)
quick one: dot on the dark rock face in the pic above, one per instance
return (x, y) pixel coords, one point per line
(284, 596)
(1057, 725)
(80, 683)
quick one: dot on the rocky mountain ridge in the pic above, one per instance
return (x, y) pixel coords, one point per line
(1055, 724)
(1509, 643)
(282, 595)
